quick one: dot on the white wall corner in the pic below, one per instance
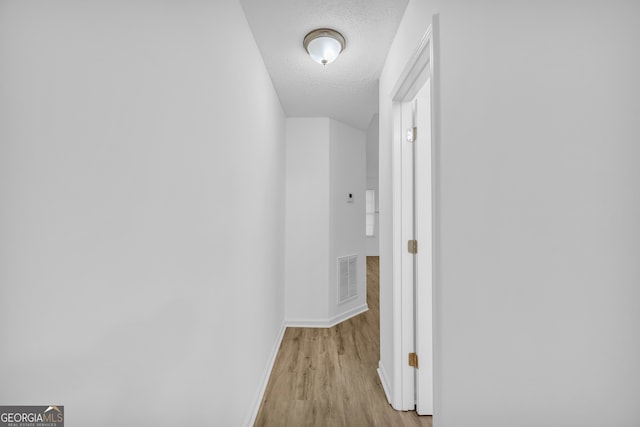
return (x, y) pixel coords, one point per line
(265, 377)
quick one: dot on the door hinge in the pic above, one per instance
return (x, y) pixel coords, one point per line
(413, 246)
(412, 134)
(413, 360)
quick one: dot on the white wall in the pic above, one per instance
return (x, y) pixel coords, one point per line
(348, 171)
(307, 219)
(537, 297)
(373, 149)
(325, 161)
(141, 211)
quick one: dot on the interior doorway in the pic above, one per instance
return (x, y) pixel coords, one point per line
(413, 231)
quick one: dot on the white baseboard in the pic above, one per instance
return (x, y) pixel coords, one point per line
(327, 323)
(339, 318)
(307, 323)
(265, 376)
(385, 381)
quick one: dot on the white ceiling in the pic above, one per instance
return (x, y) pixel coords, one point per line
(347, 89)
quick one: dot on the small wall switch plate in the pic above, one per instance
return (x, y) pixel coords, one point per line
(350, 197)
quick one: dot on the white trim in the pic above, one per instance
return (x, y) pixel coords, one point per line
(396, 215)
(327, 323)
(265, 377)
(308, 323)
(435, 153)
(407, 260)
(339, 318)
(384, 381)
(424, 258)
(408, 83)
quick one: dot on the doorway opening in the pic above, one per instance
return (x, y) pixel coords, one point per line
(412, 213)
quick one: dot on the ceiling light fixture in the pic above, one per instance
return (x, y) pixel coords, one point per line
(324, 45)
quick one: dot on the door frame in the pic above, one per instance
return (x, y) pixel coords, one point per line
(418, 71)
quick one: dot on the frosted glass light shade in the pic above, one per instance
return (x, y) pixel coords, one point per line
(324, 45)
(324, 50)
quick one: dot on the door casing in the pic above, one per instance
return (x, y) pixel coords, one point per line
(418, 72)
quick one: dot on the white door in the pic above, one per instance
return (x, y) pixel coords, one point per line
(408, 259)
(411, 179)
(416, 261)
(423, 258)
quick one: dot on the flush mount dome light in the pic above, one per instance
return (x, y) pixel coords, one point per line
(324, 45)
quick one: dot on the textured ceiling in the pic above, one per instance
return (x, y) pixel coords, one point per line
(346, 90)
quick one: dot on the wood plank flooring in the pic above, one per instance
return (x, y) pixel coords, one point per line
(327, 377)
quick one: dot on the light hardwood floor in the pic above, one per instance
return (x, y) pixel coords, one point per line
(327, 377)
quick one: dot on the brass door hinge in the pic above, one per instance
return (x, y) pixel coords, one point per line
(413, 246)
(413, 360)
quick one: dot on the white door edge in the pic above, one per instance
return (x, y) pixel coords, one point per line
(415, 75)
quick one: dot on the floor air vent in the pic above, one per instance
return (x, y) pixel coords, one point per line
(347, 284)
